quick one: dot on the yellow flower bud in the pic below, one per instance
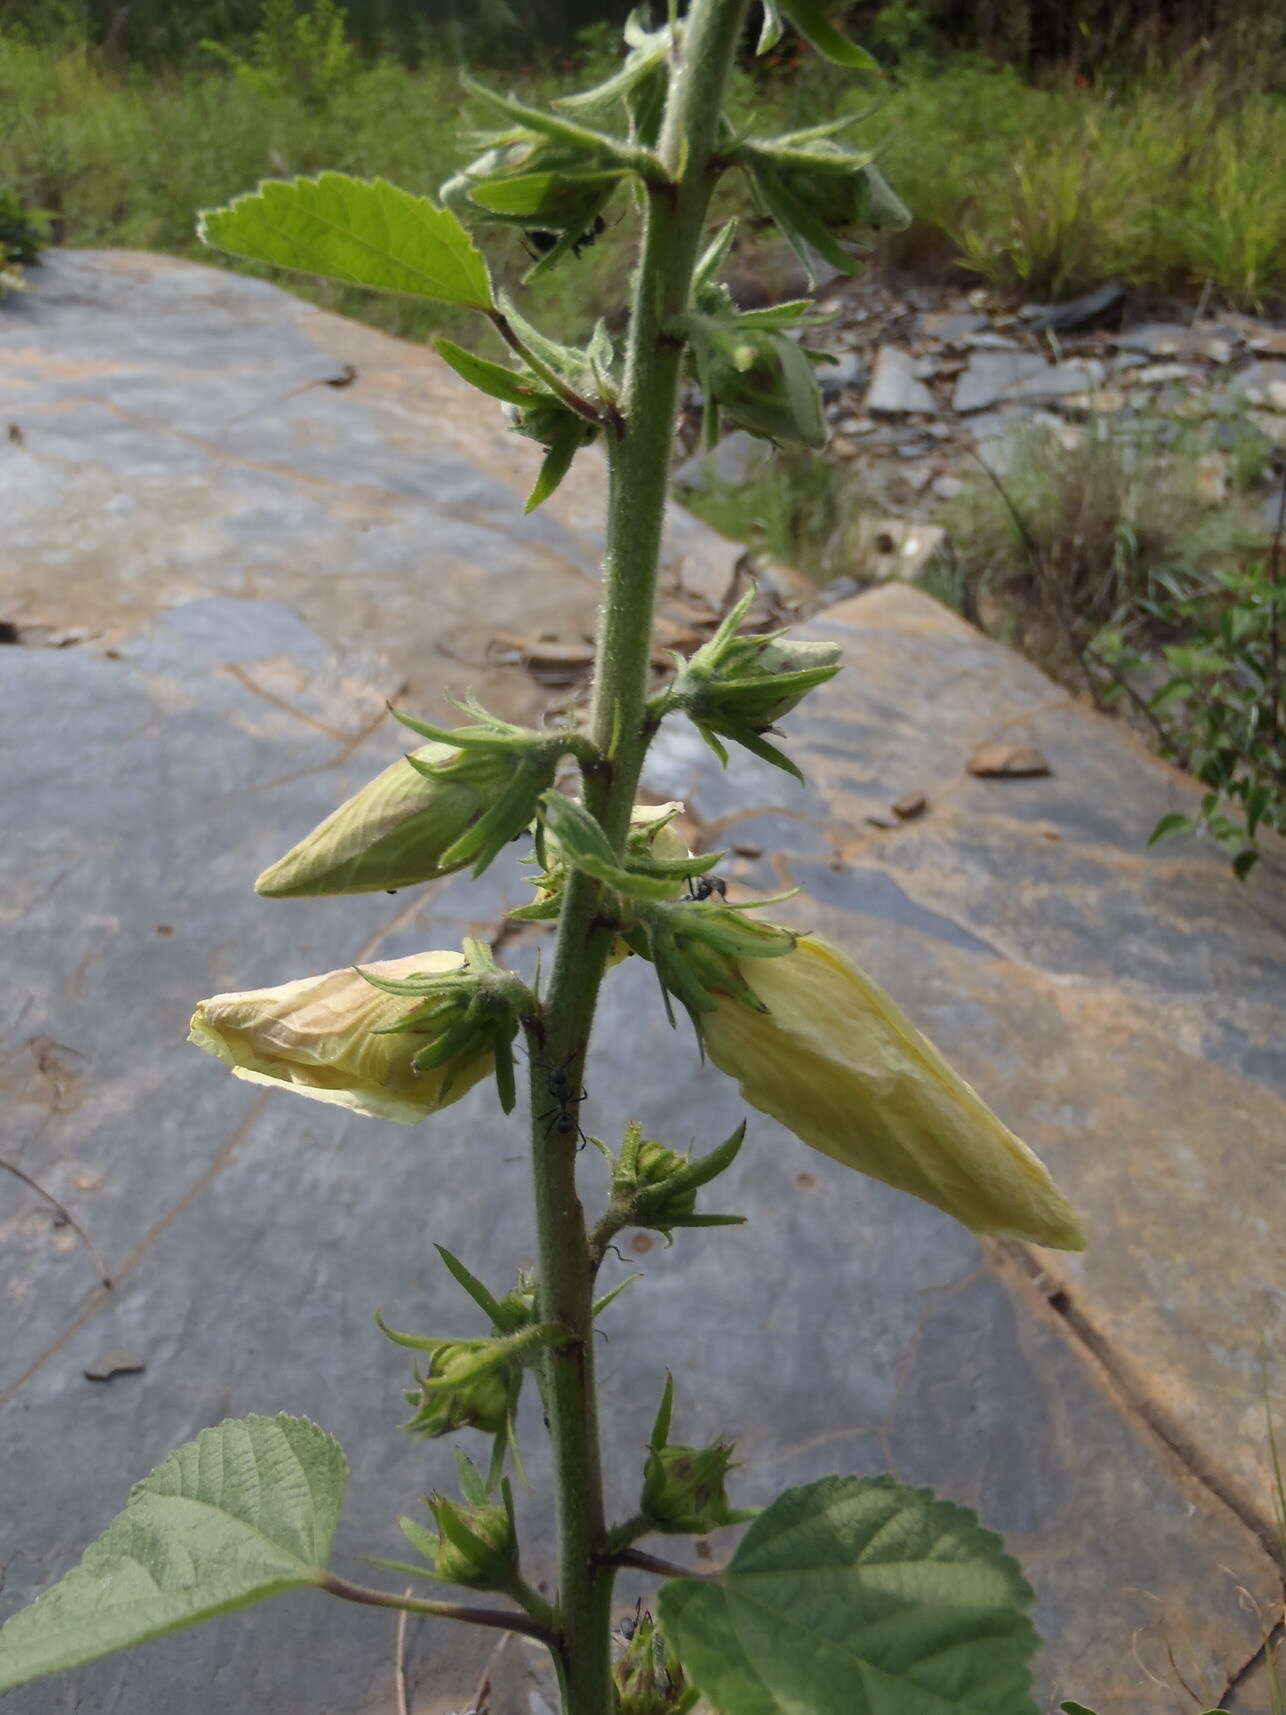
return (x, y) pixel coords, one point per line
(835, 1061)
(391, 834)
(315, 1037)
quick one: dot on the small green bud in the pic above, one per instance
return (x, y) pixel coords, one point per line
(648, 1676)
(738, 687)
(456, 1393)
(476, 1545)
(683, 1487)
(757, 377)
(654, 1166)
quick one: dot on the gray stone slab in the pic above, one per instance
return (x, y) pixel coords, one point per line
(894, 389)
(990, 375)
(176, 437)
(1116, 1005)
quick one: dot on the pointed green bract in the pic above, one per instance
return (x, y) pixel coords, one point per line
(810, 18)
(859, 1596)
(244, 1511)
(359, 232)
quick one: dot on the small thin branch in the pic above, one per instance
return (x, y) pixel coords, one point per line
(498, 1619)
(604, 416)
(663, 1568)
(621, 1536)
(399, 1660)
(66, 1215)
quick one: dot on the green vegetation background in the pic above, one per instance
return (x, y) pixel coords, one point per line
(1103, 142)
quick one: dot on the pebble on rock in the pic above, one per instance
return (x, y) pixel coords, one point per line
(1008, 762)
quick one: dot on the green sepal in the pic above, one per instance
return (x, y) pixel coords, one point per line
(491, 378)
(593, 146)
(485, 1300)
(557, 461)
(648, 53)
(601, 1304)
(421, 1539)
(810, 19)
(530, 198)
(770, 31)
(587, 849)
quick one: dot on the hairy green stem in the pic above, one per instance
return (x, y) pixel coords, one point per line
(638, 474)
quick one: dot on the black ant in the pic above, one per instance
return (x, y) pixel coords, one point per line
(561, 1117)
(540, 241)
(702, 886)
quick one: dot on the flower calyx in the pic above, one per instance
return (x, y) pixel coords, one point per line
(464, 1013)
(738, 686)
(646, 872)
(751, 372)
(653, 849)
(683, 1487)
(514, 766)
(697, 947)
(813, 187)
(545, 172)
(476, 1544)
(472, 1383)
(656, 1187)
(648, 1676)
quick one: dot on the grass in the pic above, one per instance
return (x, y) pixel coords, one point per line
(1172, 182)
(1080, 533)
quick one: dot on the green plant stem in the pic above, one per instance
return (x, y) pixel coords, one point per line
(638, 473)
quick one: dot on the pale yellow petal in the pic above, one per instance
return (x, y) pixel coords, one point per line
(314, 1036)
(835, 1061)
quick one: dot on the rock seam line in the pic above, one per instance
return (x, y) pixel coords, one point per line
(102, 1297)
(1138, 1402)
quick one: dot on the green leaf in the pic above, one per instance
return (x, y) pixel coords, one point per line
(809, 18)
(1244, 862)
(244, 1511)
(360, 232)
(1070, 1708)
(1175, 823)
(858, 1596)
(493, 378)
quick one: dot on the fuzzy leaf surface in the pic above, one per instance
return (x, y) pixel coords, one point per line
(858, 1596)
(246, 1510)
(358, 231)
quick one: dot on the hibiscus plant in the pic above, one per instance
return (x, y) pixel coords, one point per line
(846, 1595)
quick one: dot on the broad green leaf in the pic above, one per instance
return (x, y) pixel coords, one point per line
(363, 233)
(858, 1596)
(810, 18)
(246, 1510)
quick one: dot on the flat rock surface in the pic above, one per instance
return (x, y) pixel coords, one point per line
(1120, 1007)
(169, 431)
